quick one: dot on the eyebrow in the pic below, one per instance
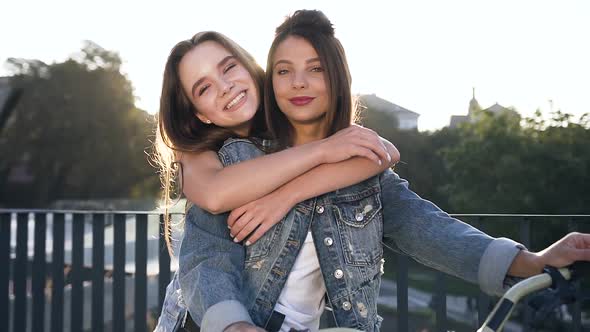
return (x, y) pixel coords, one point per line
(289, 62)
(219, 65)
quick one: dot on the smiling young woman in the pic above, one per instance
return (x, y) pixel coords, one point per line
(222, 90)
(300, 88)
(211, 92)
(329, 248)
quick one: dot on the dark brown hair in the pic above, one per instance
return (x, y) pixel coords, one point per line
(179, 130)
(316, 28)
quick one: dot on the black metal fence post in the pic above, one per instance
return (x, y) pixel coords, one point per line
(525, 238)
(98, 224)
(440, 302)
(76, 273)
(5, 220)
(140, 307)
(20, 275)
(119, 273)
(576, 308)
(57, 275)
(39, 275)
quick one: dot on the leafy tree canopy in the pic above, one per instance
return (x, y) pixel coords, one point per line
(75, 134)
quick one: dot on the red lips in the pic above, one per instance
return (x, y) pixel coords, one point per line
(300, 101)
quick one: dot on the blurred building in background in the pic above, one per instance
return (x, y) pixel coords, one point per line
(407, 120)
(474, 109)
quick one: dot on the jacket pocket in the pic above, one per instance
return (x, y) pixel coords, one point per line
(360, 226)
(261, 248)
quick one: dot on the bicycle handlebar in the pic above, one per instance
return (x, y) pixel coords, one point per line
(504, 307)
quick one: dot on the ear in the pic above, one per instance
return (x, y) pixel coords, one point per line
(203, 118)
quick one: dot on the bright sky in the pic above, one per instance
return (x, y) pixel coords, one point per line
(422, 55)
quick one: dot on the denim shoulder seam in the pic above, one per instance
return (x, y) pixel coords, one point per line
(230, 141)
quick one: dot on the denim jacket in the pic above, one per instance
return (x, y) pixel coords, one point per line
(224, 282)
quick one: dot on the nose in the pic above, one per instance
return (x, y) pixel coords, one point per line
(225, 86)
(299, 81)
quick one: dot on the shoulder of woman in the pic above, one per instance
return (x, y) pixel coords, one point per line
(235, 140)
(235, 150)
(264, 143)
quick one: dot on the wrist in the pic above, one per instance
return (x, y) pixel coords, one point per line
(527, 264)
(291, 197)
(319, 151)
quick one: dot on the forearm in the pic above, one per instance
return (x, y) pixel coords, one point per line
(569, 249)
(326, 178)
(239, 183)
(329, 177)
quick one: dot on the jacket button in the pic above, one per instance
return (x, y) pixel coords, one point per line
(346, 305)
(338, 274)
(328, 241)
(359, 216)
(319, 209)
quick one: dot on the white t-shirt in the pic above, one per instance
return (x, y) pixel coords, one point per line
(302, 299)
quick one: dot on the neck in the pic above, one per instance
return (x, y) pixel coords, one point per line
(305, 133)
(242, 130)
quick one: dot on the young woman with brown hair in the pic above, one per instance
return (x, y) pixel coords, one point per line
(328, 249)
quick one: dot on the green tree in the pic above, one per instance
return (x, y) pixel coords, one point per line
(483, 168)
(499, 166)
(76, 131)
(421, 163)
(559, 163)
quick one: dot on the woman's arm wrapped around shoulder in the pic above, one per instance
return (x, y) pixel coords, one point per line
(255, 218)
(218, 187)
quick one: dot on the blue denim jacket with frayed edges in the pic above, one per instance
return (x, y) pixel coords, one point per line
(224, 282)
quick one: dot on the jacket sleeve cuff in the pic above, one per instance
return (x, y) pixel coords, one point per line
(494, 264)
(223, 314)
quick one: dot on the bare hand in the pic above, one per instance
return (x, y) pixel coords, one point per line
(354, 141)
(258, 216)
(393, 152)
(572, 247)
(243, 327)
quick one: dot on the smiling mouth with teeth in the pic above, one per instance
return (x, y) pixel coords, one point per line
(236, 100)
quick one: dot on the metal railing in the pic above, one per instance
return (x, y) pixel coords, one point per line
(483, 221)
(63, 262)
(35, 273)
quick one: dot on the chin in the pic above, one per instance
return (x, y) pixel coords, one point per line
(250, 113)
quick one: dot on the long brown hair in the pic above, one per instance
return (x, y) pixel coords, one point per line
(179, 130)
(316, 28)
